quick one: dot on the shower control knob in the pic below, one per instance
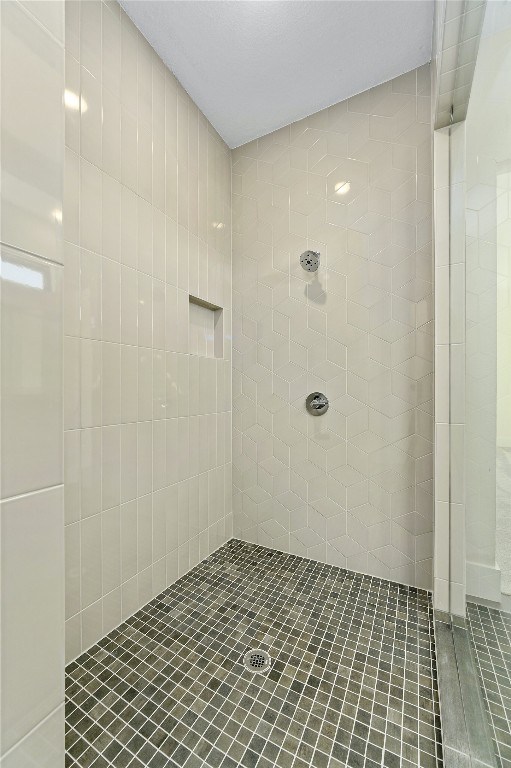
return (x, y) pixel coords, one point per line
(317, 403)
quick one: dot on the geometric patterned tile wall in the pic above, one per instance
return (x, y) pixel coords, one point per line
(353, 487)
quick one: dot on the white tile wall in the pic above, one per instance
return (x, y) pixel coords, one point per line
(31, 131)
(31, 373)
(31, 492)
(450, 529)
(41, 748)
(353, 487)
(147, 424)
(457, 301)
(441, 179)
(32, 528)
(456, 36)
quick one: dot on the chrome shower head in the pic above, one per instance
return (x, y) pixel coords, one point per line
(310, 261)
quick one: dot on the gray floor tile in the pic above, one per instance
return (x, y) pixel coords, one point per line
(352, 680)
(490, 635)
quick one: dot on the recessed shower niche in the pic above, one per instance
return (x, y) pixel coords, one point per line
(206, 328)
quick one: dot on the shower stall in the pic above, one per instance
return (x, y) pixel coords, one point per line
(255, 410)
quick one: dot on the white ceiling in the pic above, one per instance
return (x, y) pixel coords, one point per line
(253, 66)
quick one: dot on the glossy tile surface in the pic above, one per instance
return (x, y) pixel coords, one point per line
(42, 748)
(354, 487)
(147, 447)
(50, 15)
(32, 130)
(352, 682)
(32, 611)
(455, 46)
(31, 397)
(449, 196)
(31, 373)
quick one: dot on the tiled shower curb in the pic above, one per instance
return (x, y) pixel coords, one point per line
(465, 731)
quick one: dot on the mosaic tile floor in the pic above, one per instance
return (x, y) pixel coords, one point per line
(352, 681)
(490, 634)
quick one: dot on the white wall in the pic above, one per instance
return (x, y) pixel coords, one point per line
(353, 487)
(31, 491)
(147, 424)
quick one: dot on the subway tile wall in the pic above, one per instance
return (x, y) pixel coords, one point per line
(147, 221)
(443, 401)
(31, 472)
(353, 487)
(449, 203)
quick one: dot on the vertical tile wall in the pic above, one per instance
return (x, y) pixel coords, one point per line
(31, 470)
(450, 534)
(353, 487)
(486, 207)
(147, 220)
(441, 583)
(457, 431)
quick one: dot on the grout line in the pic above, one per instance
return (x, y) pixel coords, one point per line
(207, 587)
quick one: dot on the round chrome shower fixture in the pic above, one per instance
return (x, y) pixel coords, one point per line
(317, 403)
(310, 260)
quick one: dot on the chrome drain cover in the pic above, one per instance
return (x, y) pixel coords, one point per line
(257, 660)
